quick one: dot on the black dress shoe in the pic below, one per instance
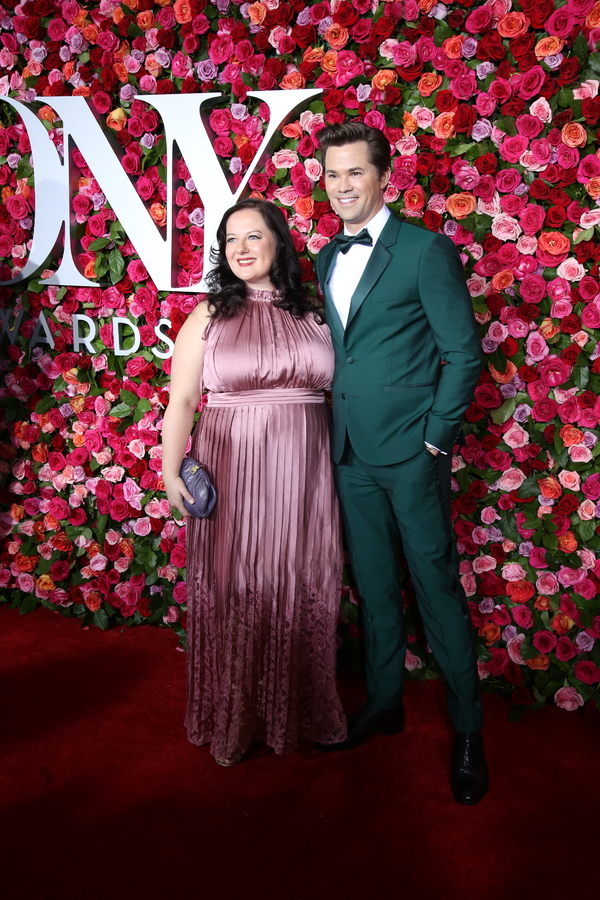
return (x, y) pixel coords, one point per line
(367, 722)
(469, 777)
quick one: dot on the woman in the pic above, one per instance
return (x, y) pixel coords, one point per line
(264, 567)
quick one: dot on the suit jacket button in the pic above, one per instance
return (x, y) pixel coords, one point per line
(350, 360)
(344, 395)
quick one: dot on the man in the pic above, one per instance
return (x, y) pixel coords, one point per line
(408, 358)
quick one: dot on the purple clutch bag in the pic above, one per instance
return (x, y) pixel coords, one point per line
(199, 485)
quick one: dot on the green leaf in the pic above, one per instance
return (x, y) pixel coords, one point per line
(586, 235)
(504, 412)
(116, 265)
(580, 47)
(144, 404)
(99, 244)
(129, 397)
(29, 604)
(581, 376)
(498, 360)
(460, 149)
(100, 619)
(565, 97)
(507, 125)
(24, 169)
(586, 530)
(45, 404)
(120, 410)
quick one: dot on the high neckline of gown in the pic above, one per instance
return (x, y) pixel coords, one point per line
(263, 296)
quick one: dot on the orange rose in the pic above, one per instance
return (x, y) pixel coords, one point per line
(428, 83)
(593, 17)
(491, 632)
(573, 135)
(127, 548)
(336, 36)
(382, 78)
(17, 512)
(93, 549)
(123, 51)
(6, 193)
(512, 25)
(158, 213)
(305, 207)
(145, 19)
(561, 623)
(39, 453)
(292, 131)
(567, 542)
(79, 440)
(26, 563)
(503, 280)
(414, 198)
(118, 15)
(183, 11)
(45, 583)
(461, 205)
(542, 603)
(47, 114)
(571, 435)
(68, 69)
(539, 663)
(548, 46)
(292, 81)
(90, 33)
(593, 188)
(80, 19)
(443, 125)
(82, 91)
(503, 377)
(93, 601)
(409, 123)
(554, 243)
(520, 591)
(257, 13)
(426, 5)
(550, 487)
(313, 55)
(452, 47)
(329, 62)
(61, 542)
(39, 530)
(117, 119)
(90, 269)
(132, 4)
(152, 66)
(548, 329)
(51, 523)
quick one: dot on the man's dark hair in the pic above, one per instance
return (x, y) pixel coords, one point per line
(349, 133)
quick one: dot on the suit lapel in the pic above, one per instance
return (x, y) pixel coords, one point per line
(378, 261)
(333, 317)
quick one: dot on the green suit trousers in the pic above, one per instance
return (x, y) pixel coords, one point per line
(406, 507)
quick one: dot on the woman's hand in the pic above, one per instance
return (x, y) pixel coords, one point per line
(176, 493)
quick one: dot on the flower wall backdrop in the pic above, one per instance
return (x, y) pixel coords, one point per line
(492, 111)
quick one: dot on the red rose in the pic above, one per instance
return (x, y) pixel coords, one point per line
(490, 47)
(445, 100)
(432, 220)
(587, 671)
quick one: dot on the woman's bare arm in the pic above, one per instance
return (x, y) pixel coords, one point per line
(185, 391)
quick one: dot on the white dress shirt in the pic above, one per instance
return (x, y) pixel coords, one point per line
(348, 270)
(349, 267)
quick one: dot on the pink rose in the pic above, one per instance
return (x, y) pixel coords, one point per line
(522, 616)
(511, 480)
(547, 584)
(533, 287)
(571, 270)
(532, 218)
(590, 316)
(516, 437)
(580, 454)
(484, 564)
(513, 647)
(531, 83)
(554, 371)
(591, 486)
(587, 511)
(513, 148)
(507, 180)
(513, 572)
(568, 698)
(571, 481)
(536, 346)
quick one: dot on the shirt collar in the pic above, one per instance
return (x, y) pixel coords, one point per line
(376, 225)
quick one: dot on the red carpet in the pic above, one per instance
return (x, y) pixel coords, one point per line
(102, 797)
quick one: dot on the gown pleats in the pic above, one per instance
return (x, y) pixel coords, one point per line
(264, 569)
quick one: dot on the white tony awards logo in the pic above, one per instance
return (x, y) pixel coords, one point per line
(183, 126)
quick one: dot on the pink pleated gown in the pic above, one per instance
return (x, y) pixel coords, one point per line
(263, 571)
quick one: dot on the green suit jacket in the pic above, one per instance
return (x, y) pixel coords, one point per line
(410, 311)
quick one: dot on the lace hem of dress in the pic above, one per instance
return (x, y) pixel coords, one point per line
(256, 672)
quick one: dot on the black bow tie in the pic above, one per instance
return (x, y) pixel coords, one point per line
(345, 241)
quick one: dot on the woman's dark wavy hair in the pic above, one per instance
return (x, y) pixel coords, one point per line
(228, 292)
